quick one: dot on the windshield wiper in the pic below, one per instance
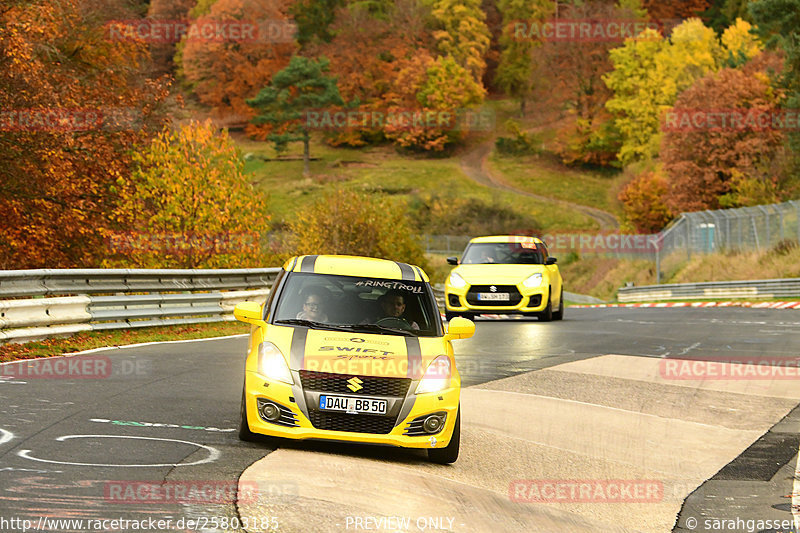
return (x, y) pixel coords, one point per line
(311, 324)
(375, 328)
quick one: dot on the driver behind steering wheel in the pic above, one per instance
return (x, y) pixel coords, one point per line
(393, 303)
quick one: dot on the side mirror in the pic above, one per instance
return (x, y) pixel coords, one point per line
(452, 260)
(460, 328)
(551, 261)
(249, 312)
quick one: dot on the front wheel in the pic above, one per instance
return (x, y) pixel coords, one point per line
(244, 428)
(448, 454)
(559, 315)
(547, 314)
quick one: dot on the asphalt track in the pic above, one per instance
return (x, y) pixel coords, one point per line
(586, 399)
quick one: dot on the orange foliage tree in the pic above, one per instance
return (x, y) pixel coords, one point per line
(189, 204)
(643, 201)
(225, 71)
(72, 103)
(721, 131)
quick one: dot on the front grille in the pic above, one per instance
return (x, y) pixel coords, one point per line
(514, 296)
(337, 383)
(352, 423)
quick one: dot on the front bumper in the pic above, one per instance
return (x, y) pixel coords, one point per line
(295, 424)
(523, 300)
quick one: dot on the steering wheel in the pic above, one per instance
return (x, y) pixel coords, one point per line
(394, 322)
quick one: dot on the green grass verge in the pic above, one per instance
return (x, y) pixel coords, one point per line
(381, 170)
(100, 339)
(541, 175)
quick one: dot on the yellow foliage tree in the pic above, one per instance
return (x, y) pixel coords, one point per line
(189, 204)
(352, 223)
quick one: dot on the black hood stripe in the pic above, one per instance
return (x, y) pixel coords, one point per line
(297, 353)
(307, 265)
(407, 272)
(414, 352)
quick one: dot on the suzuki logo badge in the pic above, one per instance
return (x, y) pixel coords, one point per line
(354, 384)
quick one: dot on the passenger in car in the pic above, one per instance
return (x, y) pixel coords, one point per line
(315, 304)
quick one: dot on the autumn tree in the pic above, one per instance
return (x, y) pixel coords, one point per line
(302, 88)
(515, 70)
(314, 18)
(675, 9)
(724, 131)
(352, 223)
(73, 102)
(573, 71)
(461, 32)
(649, 74)
(441, 90)
(225, 72)
(778, 22)
(739, 43)
(189, 204)
(643, 202)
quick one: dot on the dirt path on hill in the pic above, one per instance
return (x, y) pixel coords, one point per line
(475, 164)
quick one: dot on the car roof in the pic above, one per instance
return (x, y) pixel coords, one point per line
(506, 239)
(351, 265)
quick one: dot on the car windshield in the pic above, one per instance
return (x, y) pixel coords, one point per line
(361, 304)
(510, 253)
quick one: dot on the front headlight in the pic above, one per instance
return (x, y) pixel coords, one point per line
(533, 281)
(272, 364)
(437, 376)
(457, 281)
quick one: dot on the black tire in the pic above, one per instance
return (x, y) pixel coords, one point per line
(559, 315)
(244, 428)
(450, 316)
(448, 454)
(547, 314)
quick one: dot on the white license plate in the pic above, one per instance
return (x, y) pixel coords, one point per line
(494, 296)
(352, 405)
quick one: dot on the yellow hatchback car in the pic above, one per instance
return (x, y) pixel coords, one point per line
(505, 274)
(353, 349)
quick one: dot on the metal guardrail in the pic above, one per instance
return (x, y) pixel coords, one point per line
(768, 288)
(104, 299)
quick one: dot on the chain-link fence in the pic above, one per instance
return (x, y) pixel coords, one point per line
(703, 232)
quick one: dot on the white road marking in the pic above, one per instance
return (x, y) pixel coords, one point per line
(213, 453)
(5, 436)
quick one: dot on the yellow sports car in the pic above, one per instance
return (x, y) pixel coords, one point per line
(352, 349)
(505, 274)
